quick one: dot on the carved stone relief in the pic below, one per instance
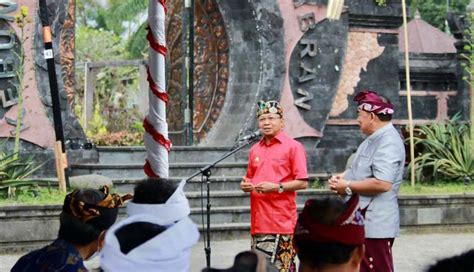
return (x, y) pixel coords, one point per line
(210, 63)
(67, 52)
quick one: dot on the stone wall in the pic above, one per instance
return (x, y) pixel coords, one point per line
(26, 227)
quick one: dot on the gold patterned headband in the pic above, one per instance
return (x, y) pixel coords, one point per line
(269, 107)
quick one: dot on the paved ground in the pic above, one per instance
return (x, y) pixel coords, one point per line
(412, 252)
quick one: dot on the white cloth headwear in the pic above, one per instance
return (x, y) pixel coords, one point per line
(174, 209)
(167, 251)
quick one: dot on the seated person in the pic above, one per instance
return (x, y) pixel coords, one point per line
(460, 263)
(85, 217)
(329, 235)
(158, 235)
(247, 261)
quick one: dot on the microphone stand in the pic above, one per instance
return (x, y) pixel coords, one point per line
(206, 172)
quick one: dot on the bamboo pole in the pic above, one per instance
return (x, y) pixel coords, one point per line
(334, 8)
(470, 10)
(408, 82)
(61, 164)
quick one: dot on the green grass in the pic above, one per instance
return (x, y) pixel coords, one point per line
(49, 196)
(42, 196)
(425, 188)
(437, 188)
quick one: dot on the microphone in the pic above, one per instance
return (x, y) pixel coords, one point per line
(252, 136)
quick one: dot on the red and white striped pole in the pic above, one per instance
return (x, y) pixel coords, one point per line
(156, 139)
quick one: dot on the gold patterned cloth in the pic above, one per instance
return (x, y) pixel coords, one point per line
(269, 107)
(101, 215)
(278, 248)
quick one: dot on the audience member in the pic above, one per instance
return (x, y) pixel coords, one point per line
(85, 217)
(459, 263)
(329, 235)
(247, 261)
(158, 234)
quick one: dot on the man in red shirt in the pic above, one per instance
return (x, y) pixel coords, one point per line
(276, 170)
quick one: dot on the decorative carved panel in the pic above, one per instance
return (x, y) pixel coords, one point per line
(211, 63)
(67, 52)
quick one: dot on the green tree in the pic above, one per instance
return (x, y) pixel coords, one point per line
(116, 89)
(129, 13)
(89, 13)
(434, 11)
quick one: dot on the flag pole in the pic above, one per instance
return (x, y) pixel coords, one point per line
(53, 85)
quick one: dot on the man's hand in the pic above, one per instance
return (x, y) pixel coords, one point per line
(246, 186)
(338, 185)
(266, 187)
(336, 177)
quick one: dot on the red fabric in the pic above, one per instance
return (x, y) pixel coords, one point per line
(348, 228)
(158, 137)
(282, 160)
(163, 3)
(148, 171)
(378, 255)
(370, 101)
(154, 44)
(154, 88)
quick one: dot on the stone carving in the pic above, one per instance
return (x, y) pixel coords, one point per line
(67, 53)
(362, 47)
(59, 16)
(9, 62)
(314, 69)
(211, 66)
(7, 7)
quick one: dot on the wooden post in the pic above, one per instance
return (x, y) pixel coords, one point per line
(61, 164)
(89, 86)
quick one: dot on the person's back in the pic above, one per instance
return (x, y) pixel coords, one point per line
(158, 234)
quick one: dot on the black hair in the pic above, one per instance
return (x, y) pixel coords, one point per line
(314, 254)
(134, 234)
(458, 263)
(153, 191)
(245, 261)
(75, 231)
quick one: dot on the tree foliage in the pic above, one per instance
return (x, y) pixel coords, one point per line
(434, 11)
(116, 89)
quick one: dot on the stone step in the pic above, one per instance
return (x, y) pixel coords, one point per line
(134, 171)
(25, 227)
(134, 154)
(223, 183)
(225, 215)
(222, 199)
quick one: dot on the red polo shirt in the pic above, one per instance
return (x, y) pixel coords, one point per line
(281, 160)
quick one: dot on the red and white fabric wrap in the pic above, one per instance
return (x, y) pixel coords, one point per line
(370, 101)
(156, 139)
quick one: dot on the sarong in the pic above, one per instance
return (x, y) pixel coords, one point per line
(378, 255)
(278, 248)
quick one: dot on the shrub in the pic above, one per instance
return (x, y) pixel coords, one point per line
(446, 151)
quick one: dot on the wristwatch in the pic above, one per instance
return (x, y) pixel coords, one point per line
(280, 188)
(348, 188)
